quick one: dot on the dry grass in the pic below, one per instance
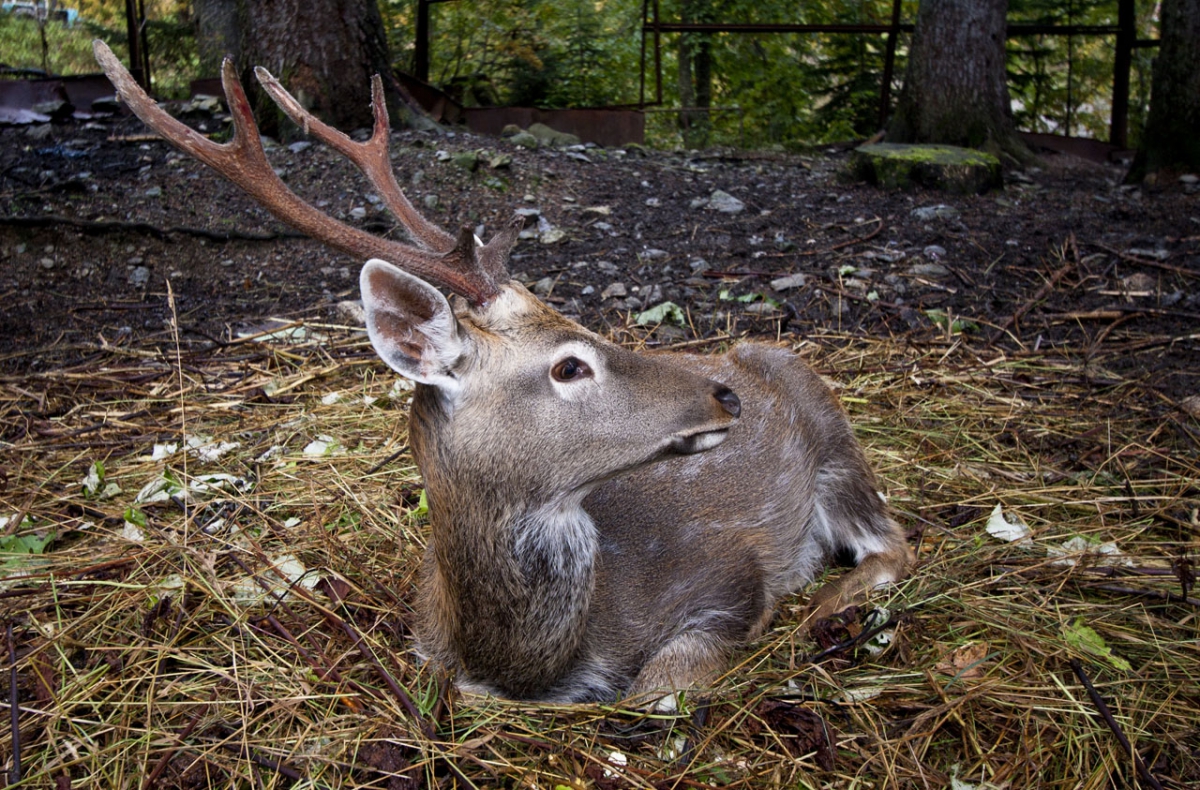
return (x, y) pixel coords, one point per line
(145, 655)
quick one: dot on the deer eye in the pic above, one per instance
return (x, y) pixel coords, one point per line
(571, 369)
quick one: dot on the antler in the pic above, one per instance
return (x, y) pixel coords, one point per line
(459, 265)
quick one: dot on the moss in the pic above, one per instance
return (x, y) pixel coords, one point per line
(946, 167)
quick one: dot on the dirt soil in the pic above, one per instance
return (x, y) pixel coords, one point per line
(98, 219)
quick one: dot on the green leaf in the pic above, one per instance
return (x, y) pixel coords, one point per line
(661, 313)
(422, 505)
(1083, 638)
(25, 544)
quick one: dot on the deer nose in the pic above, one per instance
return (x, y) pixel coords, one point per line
(729, 401)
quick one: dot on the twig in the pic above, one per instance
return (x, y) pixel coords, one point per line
(1046, 288)
(1144, 261)
(14, 708)
(1101, 706)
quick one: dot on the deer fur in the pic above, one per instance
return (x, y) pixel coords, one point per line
(626, 533)
(603, 523)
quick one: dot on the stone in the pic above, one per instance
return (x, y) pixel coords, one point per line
(467, 160)
(933, 270)
(545, 134)
(943, 167)
(139, 276)
(725, 203)
(350, 311)
(929, 213)
(299, 146)
(614, 291)
(524, 139)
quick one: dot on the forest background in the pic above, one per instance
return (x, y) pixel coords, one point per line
(764, 89)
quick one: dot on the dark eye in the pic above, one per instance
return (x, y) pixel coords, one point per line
(570, 369)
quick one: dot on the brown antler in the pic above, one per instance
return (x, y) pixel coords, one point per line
(459, 265)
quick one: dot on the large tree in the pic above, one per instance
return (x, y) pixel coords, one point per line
(324, 52)
(1171, 140)
(955, 91)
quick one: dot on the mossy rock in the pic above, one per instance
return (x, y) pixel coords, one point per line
(944, 167)
(548, 136)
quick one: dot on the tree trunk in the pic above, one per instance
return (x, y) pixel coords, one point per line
(216, 33)
(695, 76)
(1171, 140)
(955, 91)
(324, 52)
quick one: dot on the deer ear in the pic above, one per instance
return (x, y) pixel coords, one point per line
(410, 325)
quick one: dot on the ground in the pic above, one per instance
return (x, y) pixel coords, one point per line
(211, 527)
(88, 244)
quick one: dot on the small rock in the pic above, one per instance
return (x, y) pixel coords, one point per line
(358, 212)
(552, 236)
(442, 156)
(725, 203)
(1189, 178)
(588, 290)
(524, 139)
(940, 211)
(552, 136)
(932, 270)
(350, 311)
(139, 276)
(760, 308)
(1157, 254)
(154, 192)
(467, 160)
(430, 201)
(299, 146)
(46, 263)
(578, 156)
(934, 252)
(500, 162)
(544, 286)
(39, 132)
(789, 282)
(614, 291)
(653, 202)
(1191, 405)
(654, 255)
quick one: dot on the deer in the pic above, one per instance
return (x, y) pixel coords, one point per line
(604, 524)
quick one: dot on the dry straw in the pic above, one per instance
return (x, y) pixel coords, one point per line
(245, 624)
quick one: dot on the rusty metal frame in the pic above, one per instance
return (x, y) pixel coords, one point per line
(1125, 31)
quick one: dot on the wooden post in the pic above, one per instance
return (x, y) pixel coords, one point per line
(421, 45)
(889, 64)
(139, 57)
(1126, 39)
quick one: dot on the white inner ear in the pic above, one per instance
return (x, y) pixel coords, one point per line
(587, 354)
(411, 326)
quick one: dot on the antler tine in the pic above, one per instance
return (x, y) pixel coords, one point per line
(372, 157)
(243, 161)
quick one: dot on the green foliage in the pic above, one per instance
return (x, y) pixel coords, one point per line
(1063, 84)
(57, 49)
(66, 50)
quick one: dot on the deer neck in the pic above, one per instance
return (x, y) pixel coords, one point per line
(510, 584)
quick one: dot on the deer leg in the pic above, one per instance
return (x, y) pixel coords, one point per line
(873, 570)
(692, 659)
